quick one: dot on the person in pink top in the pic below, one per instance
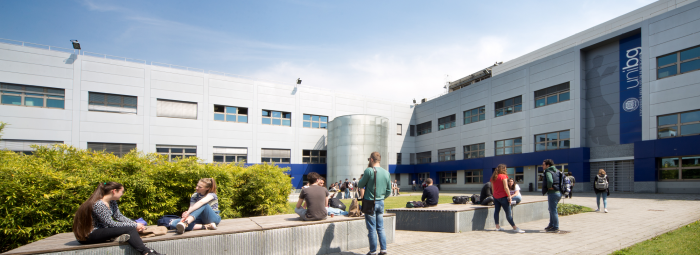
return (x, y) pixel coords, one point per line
(501, 197)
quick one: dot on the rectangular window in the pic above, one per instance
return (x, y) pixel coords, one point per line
(118, 149)
(276, 118)
(447, 122)
(678, 63)
(508, 106)
(111, 103)
(24, 146)
(516, 173)
(678, 124)
(276, 156)
(552, 95)
(230, 113)
(399, 129)
(230, 155)
(679, 168)
(475, 151)
(446, 154)
(176, 152)
(424, 157)
(313, 157)
(425, 128)
(473, 176)
(177, 109)
(475, 115)
(32, 96)
(552, 141)
(413, 130)
(398, 158)
(448, 177)
(314, 121)
(509, 146)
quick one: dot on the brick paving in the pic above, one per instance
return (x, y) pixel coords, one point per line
(632, 218)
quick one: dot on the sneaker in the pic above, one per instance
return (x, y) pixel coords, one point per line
(122, 238)
(548, 228)
(518, 230)
(501, 229)
(597, 210)
(382, 253)
(370, 253)
(152, 252)
(212, 226)
(181, 227)
(553, 230)
(606, 210)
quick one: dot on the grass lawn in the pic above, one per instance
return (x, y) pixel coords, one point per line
(389, 203)
(680, 241)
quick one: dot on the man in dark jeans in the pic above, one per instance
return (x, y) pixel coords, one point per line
(550, 187)
(431, 194)
(486, 195)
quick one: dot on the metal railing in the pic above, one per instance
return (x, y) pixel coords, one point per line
(36, 45)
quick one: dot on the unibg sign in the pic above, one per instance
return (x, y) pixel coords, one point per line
(631, 89)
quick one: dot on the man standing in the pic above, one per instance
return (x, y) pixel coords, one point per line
(414, 185)
(346, 185)
(573, 183)
(431, 194)
(354, 188)
(550, 186)
(382, 190)
(313, 200)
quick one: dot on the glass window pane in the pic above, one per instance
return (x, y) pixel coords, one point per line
(314, 124)
(690, 117)
(474, 154)
(323, 119)
(55, 103)
(667, 71)
(552, 99)
(540, 138)
(16, 100)
(518, 108)
(668, 132)
(481, 154)
(475, 118)
(509, 110)
(314, 160)
(323, 125)
(218, 116)
(563, 96)
(230, 158)
(287, 115)
(539, 102)
(518, 141)
(266, 121)
(218, 158)
(305, 160)
(689, 174)
(551, 145)
(265, 113)
(692, 129)
(670, 59)
(467, 114)
(564, 144)
(314, 118)
(468, 179)
(286, 122)
(499, 144)
(243, 118)
(509, 142)
(688, 54)
(499, 112)
(33, 101)
(518, 100)
(230, 109)
(276, 160)
(482, 146)
(162, 150)
(242, 158)
(277, 114)
(276, 122)
(285, 160)
(509, 150)
(668, 174)
(551, 136)
(467, 120)
(669, 162)
(307, 124)
(690, 161)
(307, 117)
(539, 147)
(219, 108)
(482, 117)
(668, 120)
(518, 149)
(509, 102)
(564, 135)
(499, 151)
(482, 110)
(191, 150)
(175, 150)
(475, 112)
(231, 118)
(266, 160)
(690, 66)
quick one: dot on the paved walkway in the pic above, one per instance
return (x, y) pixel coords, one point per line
(632, 218)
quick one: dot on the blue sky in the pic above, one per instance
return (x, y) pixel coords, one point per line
(398, 50)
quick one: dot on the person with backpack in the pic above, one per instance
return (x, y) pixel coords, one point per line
(502, 197)
(601, 188)
(375, 186)
(551, 185)
(572, 180)
(203, 212)
(98, 220)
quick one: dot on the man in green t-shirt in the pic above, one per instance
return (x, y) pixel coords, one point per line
(368, 191)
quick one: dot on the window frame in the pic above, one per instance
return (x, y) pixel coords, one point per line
(184, 152)
(428, 124)
(677, 63)
(557, 93)
(121, 152)
(481, 115)
(452, 177)
(558, 141)
(472, 175)
(308, 159)
(422, 155)
(512, 146)
(515, 175)
(680, 169)
(280, 160)
(399, 129)
(272, 119)
(106, 103)
(447, 154)
(226, 113)
(677, 125)
(398, 158)
(7, 90)
(447, 122)
(503, 109)
(480, 150)
(311, 121)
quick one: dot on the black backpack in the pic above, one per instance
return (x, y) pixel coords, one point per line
(476, 199)
(460, 199)
(414, 204)
(165, 220)
(336, 203)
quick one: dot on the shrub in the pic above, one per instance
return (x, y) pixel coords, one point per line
(41, 192)
(569, 209)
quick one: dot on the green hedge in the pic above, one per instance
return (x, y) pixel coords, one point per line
(40, 193)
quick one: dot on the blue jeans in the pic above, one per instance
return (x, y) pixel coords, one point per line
(517, 199)
(203, 215)
(605, 199)
(502, 202)
(347, 193)
(553, 201)
(375, 226)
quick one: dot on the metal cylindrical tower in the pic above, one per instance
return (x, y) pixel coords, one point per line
(351, 140)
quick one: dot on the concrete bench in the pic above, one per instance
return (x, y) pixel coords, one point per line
(277, 234)
(456, 218)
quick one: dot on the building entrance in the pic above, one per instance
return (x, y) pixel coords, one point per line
(620, 174)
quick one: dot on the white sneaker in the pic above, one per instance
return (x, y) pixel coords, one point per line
(501, 229)
(597, 210)
(606, 210)
(212, 226)
(181, 227)
(518, 230)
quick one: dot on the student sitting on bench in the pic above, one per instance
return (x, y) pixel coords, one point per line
(431, 194)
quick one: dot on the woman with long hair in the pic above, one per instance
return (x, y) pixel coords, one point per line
(514, 191)
(204, 209)
(501, 197)
(98, 220)
(600, 186)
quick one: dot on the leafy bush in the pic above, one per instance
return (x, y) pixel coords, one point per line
(40, 193)
(569, 209)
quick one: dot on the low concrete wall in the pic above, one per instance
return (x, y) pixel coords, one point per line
(465, 219)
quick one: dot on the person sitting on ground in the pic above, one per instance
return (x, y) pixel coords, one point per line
(98, 220)
(514, 191)
(204, 209)
(313, 200)
(486, 195)
(431, 194)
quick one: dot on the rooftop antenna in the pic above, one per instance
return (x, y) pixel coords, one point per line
(447, 82)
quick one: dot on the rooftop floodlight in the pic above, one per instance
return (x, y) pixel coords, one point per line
(298, 81)
(76, 44)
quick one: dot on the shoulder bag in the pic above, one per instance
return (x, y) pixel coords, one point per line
(368, 205)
